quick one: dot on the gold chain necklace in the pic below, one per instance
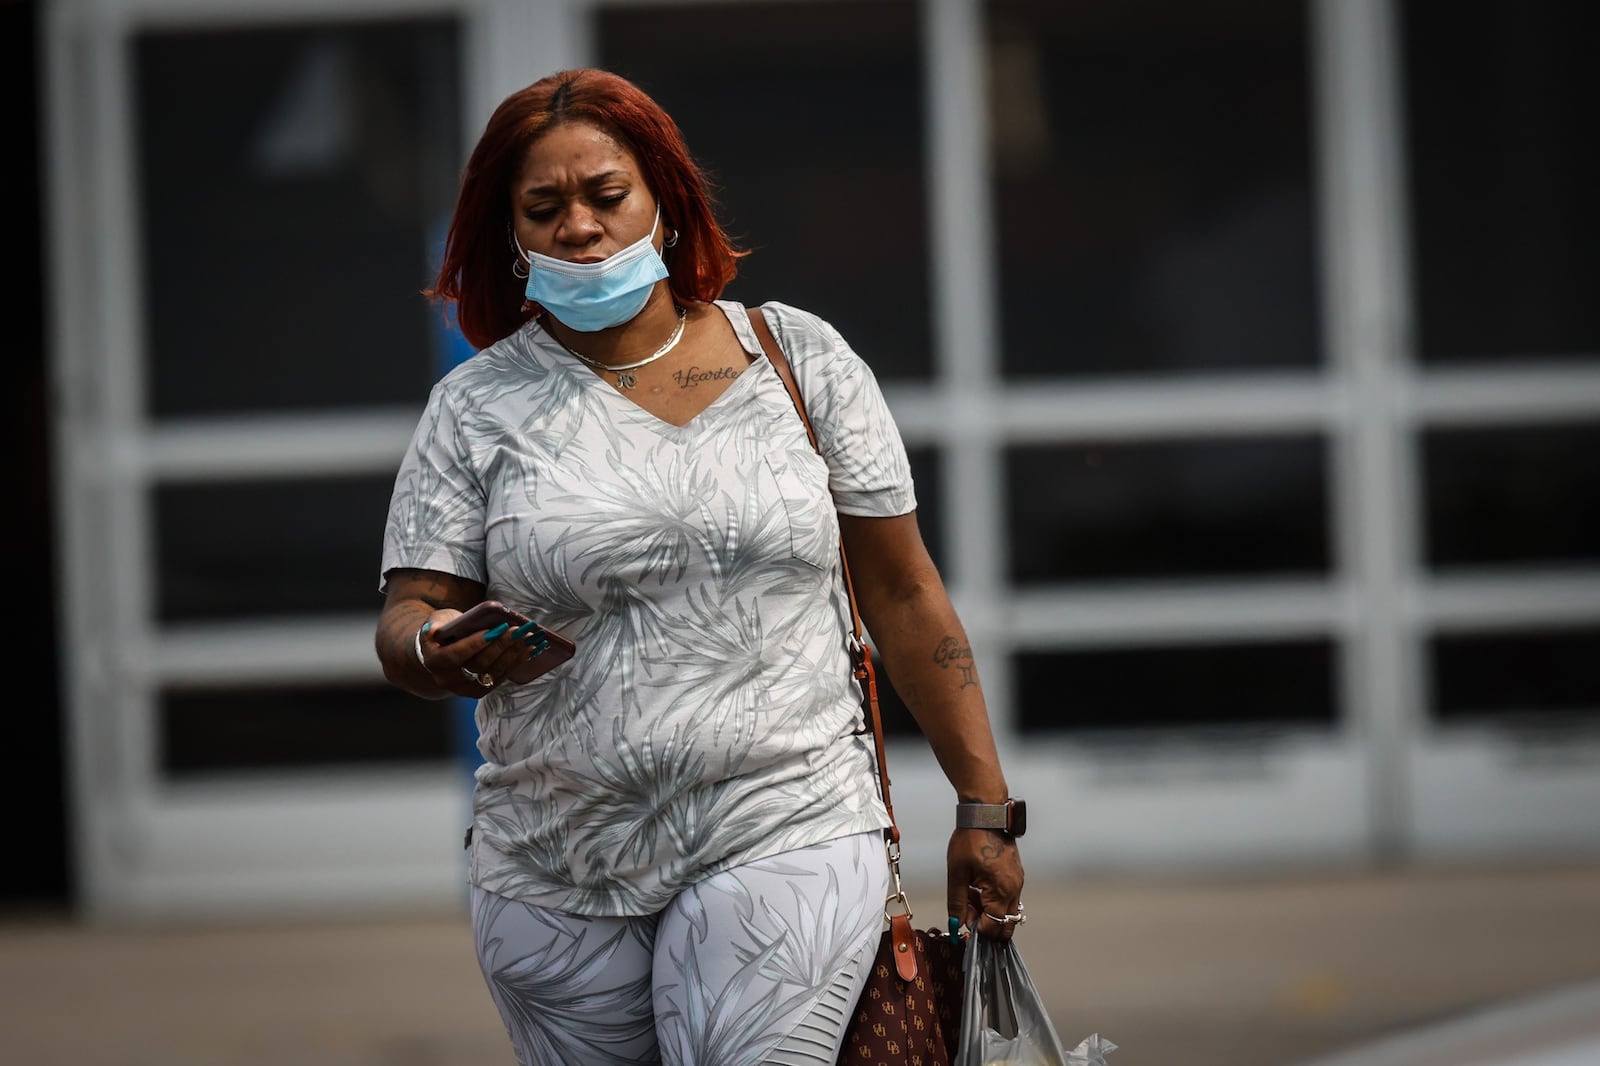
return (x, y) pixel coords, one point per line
(626, 378)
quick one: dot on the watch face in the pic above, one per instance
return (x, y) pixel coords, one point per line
(1019, 816)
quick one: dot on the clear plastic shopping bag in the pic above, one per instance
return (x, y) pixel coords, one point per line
(1003, 1018)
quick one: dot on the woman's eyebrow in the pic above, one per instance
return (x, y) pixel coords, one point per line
(593, 180)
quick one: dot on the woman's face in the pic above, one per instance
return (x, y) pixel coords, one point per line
(580, 196)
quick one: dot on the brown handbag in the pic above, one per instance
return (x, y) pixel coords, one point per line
(909, 1012)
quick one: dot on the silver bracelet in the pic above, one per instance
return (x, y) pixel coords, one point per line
(417, 643)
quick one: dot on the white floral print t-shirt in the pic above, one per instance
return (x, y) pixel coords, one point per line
(706, 720)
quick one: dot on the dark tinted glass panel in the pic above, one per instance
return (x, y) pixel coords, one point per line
(294, 183)
(1524, 494)
(215, 730)
(1084, 512)
(1527, 676)
(926, 473)
(1281, 684)
(1151, 164)
(270, 547)
(809, 118)
(32, 769)
(1503, 101)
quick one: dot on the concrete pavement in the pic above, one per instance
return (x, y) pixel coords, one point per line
(1253, 972)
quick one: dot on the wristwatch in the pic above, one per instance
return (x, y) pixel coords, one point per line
(1010, 817)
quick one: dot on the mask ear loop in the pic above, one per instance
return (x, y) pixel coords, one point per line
(519, 265)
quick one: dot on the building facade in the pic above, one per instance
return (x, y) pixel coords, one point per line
(1247, 353)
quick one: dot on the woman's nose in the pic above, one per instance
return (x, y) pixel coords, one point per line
(579, 225)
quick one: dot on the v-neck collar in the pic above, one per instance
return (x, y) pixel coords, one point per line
(587, 378)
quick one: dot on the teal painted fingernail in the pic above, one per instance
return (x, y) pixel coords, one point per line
(494, 634)
(955, 928)
(539, 648)
(427, 626)
(522, 630)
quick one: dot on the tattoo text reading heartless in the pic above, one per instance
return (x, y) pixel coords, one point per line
(688, 379)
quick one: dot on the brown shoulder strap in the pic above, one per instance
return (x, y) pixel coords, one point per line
(860, 654)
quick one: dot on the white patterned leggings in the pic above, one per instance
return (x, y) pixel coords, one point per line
(760, 964)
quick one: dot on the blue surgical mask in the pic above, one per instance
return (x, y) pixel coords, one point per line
(589, 297)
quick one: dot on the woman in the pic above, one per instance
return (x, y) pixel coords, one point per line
(677, 850)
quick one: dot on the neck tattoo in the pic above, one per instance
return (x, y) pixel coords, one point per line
(626, 378)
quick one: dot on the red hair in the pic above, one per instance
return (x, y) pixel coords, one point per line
(478, 255)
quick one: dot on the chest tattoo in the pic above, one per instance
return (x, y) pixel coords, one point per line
(689, 377)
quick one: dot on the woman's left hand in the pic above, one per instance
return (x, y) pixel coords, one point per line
(984, 885)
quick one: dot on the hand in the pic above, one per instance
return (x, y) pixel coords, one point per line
(471, 666)
(984, 881)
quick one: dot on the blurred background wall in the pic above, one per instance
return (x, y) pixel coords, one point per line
(1247, 351)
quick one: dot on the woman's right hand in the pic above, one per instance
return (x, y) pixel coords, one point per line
(475, 664)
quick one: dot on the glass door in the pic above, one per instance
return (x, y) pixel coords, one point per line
(245, 201)
(1079, 244)
(1504, 420)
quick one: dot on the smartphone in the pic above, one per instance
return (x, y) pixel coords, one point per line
(490, 613)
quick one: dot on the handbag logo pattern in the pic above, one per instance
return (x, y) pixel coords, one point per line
(916, 1023)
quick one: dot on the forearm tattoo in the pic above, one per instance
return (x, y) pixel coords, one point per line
(951, 653)
(440, 591)
(432, 591)
(398, 632)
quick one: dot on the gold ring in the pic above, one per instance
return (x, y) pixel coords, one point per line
(486, 681)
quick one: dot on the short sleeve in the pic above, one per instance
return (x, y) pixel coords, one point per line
(436, 513)
(868, 472)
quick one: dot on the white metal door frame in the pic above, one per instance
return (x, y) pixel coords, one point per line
(143, 846)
